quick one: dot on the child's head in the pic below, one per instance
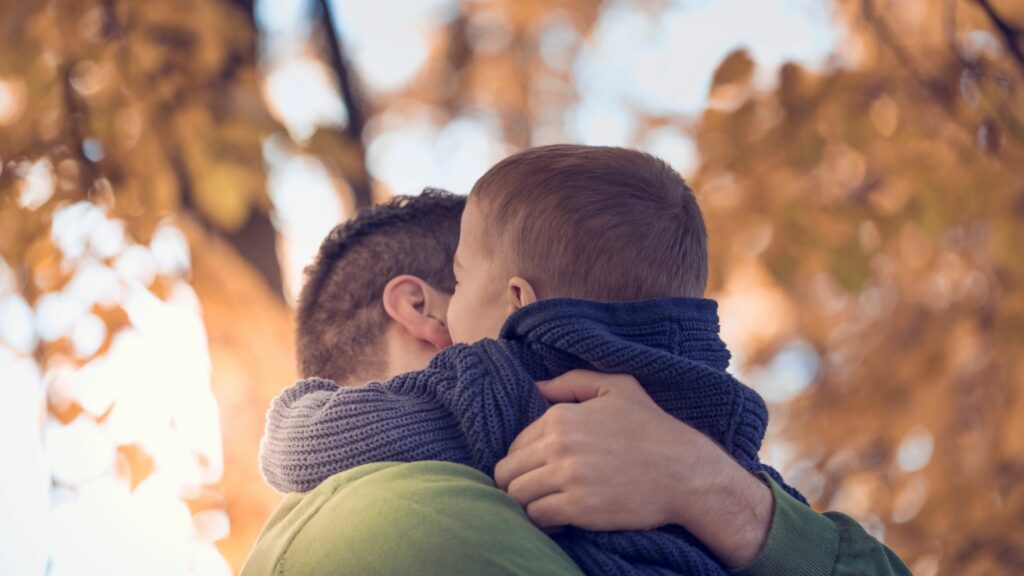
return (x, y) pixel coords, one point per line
(597, 223)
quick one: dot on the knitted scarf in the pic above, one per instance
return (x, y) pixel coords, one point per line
(471, 402)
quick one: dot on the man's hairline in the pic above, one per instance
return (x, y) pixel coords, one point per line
(316, 305)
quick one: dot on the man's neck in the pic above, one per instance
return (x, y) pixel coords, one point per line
(404, 353)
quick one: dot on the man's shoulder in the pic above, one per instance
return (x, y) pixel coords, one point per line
(301, 535)
(393, 517)
(284, 545)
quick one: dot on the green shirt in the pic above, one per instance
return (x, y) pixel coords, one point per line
(802, 542)
(416, 518)
(442, 518)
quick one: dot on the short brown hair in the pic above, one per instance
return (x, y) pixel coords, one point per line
(600, 223)
(340, 316)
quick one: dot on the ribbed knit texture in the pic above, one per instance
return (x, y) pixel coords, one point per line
(473, 400)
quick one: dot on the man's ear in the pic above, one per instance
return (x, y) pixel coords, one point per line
(419, 309)
(520, 293)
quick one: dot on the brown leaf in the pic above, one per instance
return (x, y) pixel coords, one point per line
(732, 77)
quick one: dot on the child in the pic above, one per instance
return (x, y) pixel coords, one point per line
(572, 257)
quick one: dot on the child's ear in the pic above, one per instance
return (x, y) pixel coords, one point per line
(418, 309)
(520, 293)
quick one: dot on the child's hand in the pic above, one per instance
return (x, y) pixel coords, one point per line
(606, 457)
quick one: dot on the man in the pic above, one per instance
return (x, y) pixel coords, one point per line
(374, 305)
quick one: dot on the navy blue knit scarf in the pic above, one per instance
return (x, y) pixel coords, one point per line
(672, 347)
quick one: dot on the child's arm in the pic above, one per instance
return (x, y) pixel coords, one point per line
(466, 407)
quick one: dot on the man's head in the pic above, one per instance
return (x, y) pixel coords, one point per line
(598, 223)
(375, 299)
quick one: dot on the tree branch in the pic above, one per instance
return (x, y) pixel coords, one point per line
(886, 35)
(935, 91)
(1011, 34)
(949, 28)
(74, 110)
(360, 183)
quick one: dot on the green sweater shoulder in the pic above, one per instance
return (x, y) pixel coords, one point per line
(404, 518)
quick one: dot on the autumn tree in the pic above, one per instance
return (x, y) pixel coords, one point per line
(878, 204)
(864, 221)
(152, 112)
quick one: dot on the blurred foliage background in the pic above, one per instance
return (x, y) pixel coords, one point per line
(167, 168)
